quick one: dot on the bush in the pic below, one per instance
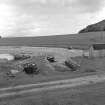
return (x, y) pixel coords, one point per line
(71, 65)
(30, 68)
(21, 57)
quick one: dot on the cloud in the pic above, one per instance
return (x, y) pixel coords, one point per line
(31, 6)
(88, 6)
(32, 17)
(27, 25)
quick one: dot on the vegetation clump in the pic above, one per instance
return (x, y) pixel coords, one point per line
(30, 68)
(21, 57)
(71, 65)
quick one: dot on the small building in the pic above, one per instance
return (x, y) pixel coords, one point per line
(97, 50)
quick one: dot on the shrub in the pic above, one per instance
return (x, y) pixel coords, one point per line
(30, 68)
(71, 65)
(21, 57)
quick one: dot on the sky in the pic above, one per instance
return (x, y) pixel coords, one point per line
(20, 18)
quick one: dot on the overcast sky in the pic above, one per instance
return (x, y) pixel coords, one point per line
(48, 17)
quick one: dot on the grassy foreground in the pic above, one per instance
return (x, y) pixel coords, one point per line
(83, 95)
(88, 67)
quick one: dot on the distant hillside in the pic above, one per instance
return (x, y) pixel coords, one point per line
(82, 40)
(100, 26)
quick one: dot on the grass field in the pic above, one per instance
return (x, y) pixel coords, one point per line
(83, 95)
(48, 71)
(76, 40)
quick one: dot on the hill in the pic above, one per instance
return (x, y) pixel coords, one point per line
(82, 40)
(100, 26)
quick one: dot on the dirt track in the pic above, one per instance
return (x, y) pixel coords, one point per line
(52, 85)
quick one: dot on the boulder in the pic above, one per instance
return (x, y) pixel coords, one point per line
(12, 73)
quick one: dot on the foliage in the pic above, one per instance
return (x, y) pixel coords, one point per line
(21, 57)
(30, 68)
